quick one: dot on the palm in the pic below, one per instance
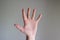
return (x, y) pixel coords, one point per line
(30, 25)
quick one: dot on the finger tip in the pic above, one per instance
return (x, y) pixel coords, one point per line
(22, 8)
(14, 24)
(29, 8)
(35, 9)
(41, 14)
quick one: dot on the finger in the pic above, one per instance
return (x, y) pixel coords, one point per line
(24, 15)
(33, 14)
(19, 27)
(39, 17)
(28, 13)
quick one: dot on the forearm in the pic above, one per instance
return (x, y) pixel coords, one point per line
(30, 37)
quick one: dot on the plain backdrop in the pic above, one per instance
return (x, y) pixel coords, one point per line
(48, 27)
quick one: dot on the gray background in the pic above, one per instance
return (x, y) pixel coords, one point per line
(10, 13)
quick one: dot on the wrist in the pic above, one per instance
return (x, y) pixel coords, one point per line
(30, 37)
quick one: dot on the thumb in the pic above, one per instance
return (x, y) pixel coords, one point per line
(19, 27)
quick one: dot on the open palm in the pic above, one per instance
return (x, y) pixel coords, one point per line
(30, 24)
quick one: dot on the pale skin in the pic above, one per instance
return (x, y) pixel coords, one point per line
(30, 24)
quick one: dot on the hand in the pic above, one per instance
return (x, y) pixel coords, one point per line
(30, 24)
